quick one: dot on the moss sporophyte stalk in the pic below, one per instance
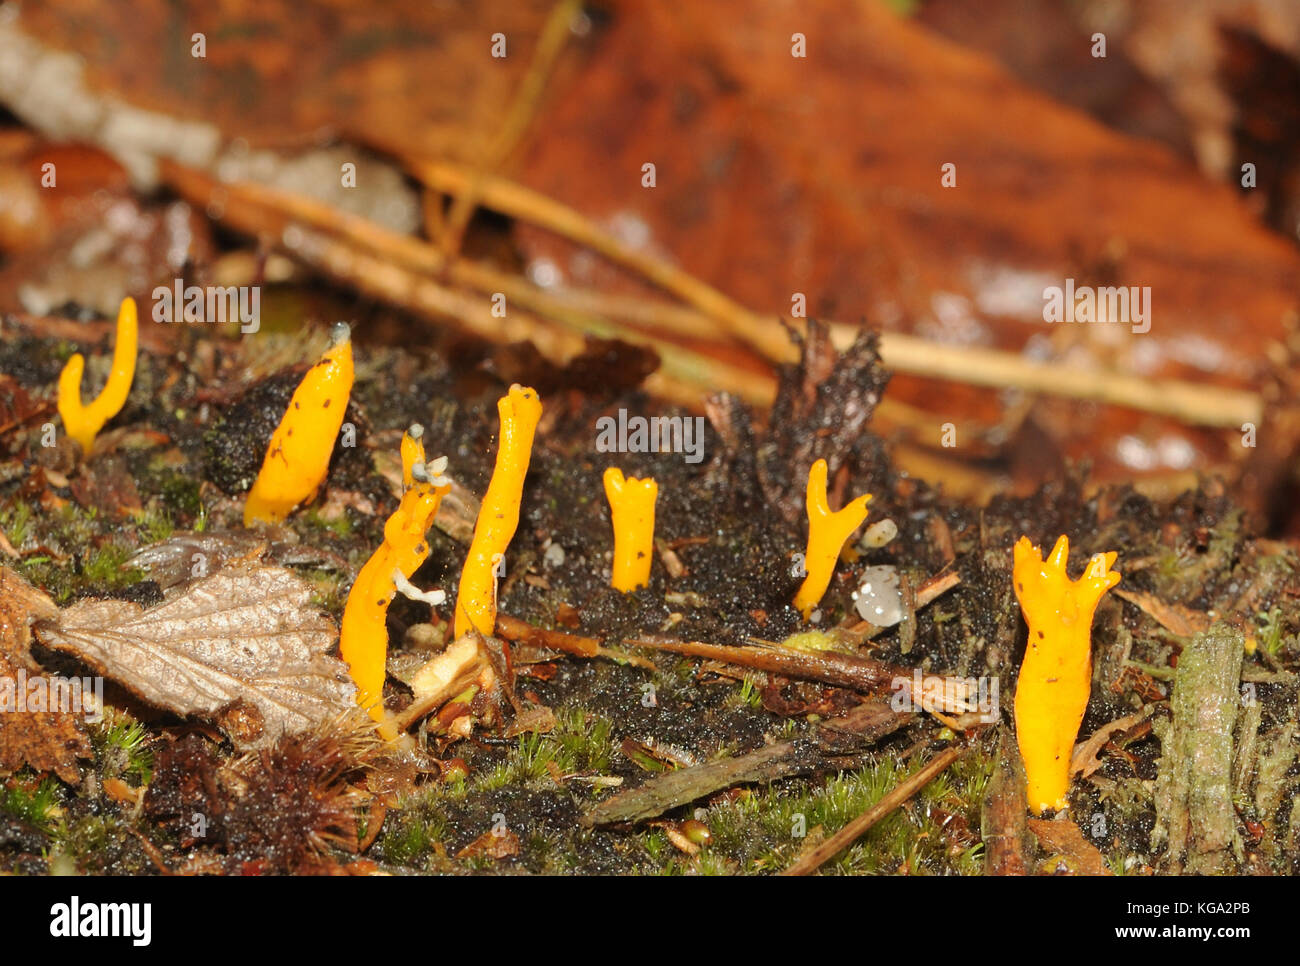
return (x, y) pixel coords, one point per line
(298, 456)
(1056, 675)
(83, 422)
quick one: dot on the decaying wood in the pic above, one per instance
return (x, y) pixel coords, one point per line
(685, 785)
(1194, 810)
(1275, 760)
(444, 676)
(1008, 849)
(841, 840)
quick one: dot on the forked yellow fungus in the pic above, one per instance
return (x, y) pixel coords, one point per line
(298, 456)
(632, 507)
(1056, 675)
(83, 423)
(827, 534)
(476, 602)
(363, 637)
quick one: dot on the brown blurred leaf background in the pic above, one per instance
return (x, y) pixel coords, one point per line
(775, 175)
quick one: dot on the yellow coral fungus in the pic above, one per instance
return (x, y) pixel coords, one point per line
(476, 602)
(298, 456)
(83, 423)
(1055, 677)
(363, 638)
(632, 508)
(827, 533)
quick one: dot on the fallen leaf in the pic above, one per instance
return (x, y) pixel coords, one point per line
(1174, 618)
(1065, 838)
(246, 637)
(538, 721)
(120, 792)
(492, 844)
(745, 202)
(45, 740)
(1084, 761)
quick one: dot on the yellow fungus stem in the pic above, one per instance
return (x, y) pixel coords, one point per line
(363, 638)
(632, 508)
(1056, 674)
(298, 456)
(827, 534)
(476, 602)
(83, 423)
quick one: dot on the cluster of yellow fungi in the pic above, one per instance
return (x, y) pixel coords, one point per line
(1055, 677)
(1056, 674)
(83, 422)
(363, 635)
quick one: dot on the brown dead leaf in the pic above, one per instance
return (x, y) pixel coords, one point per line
(726, 114)
(540, 721)
(247, 637)
(1174, 618)
(120, 792)
(1064, 837)
(1084, 761)
(45, 740)
(493, 844)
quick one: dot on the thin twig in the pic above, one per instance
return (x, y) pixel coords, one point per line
(841, 840)
(860, 674)
(1192, 403)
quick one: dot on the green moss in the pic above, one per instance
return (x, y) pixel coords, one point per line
(340, 526)
(16, 522)
(580, 742)
(32, 804)
(411, 831)
(1270, 631)
(121, 747)
(765, 830)
(107, 566)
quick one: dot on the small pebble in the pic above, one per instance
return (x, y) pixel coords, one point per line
(879, 533)
(697, 832)
(877, 598)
